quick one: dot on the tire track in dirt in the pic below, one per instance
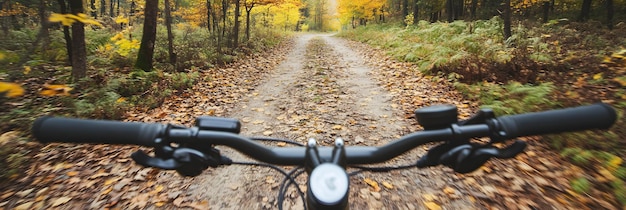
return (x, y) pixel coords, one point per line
(245, 187)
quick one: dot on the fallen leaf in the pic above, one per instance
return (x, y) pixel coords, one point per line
(387, 185)
(449, 190)
(72, 173)
(106, 191)
(267, 133)
(372, 184)
(432, 205)
(281, 144)
(111, 181)
(8, 137)
(24, 206)
(178, 202)
(60, 201)
(203, 205)
(24, 193)
(429, 197)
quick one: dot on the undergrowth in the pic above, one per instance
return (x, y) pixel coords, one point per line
(112, 86)
(540, 67)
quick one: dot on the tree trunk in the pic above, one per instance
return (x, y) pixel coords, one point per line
(473, 9)
(416, 12)
(459, 11)
(3, 24)
(146, 49)
(66, 32)
(224, 12)
(248, 10)
(506, 16)
(103, 8)
(609, 14)
(450, 10)
(79, 52)
(42, 36)
(405, 10)
(92, 8)
(546, 11)
(208, 15)
(585, 10)
(112, 8)
(235, 37)
(170, 36)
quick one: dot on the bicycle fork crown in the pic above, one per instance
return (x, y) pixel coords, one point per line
(328, 181)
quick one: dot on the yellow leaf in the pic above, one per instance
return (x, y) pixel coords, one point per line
(387, 185)
(429, 197)
(449, 190)
(26, 69)
(2, 56)
(281, 144)
(55, 90)
(72, 173)
(337, 127)
(432, 205)
(110, 181)
(597, 76)
(159, 204)
(64, 19)
(372, 184)
(12, 90)
(121, 19)
(614, 163)
(158, 188)
(107, 191)
(117, 36)
(120, 100)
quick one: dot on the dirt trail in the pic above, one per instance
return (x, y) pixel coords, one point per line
(322, 90)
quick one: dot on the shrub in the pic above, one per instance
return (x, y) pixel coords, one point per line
(513, 98)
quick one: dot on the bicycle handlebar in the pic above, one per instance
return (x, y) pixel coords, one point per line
(595, 116)
(195, 152)
(51, 129)
(58, 129)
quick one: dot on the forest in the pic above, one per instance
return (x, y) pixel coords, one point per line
(123, 59)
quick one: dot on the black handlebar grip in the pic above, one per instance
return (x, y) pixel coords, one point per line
(58, 129)
(595, 116)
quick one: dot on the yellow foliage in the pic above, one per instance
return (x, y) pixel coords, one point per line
(614, 163)
(121, 19)
(27, 69)
(69, 19)
(56, 17)
(11, 90)
(125, 46)
(597, 76)
(120, 100)
(2, 56)
(55, 90)
(118, 36)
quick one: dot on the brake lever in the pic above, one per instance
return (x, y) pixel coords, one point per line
(468, 157)
(186, 161)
